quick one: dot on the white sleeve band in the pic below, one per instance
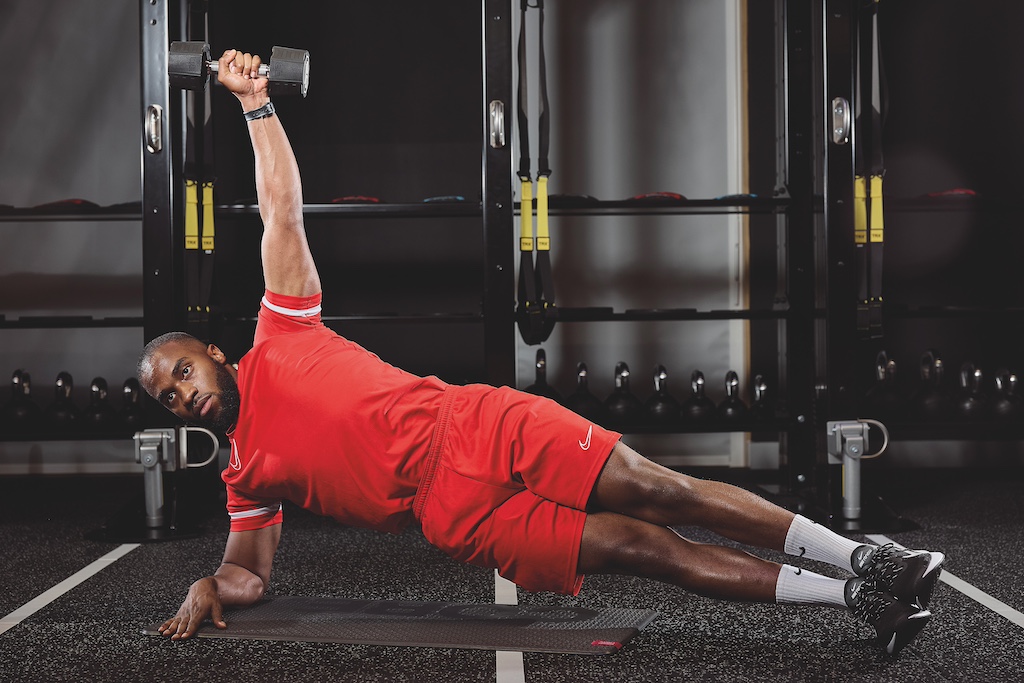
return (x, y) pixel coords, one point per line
(294, 313)
(268, 511)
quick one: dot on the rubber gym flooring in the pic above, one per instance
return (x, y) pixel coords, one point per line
(93, 631)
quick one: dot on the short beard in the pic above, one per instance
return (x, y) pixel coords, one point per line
(230, 402)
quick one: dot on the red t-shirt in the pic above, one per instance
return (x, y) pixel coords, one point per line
(325, 424)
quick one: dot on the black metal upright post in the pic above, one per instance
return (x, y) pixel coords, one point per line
(499, 271)
(838, 253)
(163, 117)
(795, 239)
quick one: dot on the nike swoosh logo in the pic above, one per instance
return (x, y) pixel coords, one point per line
(235, 462)
(585, 445)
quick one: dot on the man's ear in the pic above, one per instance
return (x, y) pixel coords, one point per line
(216, 354)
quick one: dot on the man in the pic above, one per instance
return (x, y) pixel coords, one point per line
(495, 477)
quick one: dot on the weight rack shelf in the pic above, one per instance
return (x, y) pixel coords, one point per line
(667, 207)
(410, 210)
(429, 319)
(905, 311)
(747, 425)
(27, 322)
(953, 430)
(598, 314)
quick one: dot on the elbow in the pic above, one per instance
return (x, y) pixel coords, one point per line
(254, 589)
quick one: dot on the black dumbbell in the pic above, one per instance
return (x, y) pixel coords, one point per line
(189, 67)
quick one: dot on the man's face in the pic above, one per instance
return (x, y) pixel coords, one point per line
(193, 382)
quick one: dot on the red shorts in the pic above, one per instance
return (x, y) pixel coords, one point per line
(506, 484)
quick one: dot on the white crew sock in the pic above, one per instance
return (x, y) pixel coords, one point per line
(815, 542)
(802, 587)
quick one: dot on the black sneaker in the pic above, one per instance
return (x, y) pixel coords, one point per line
(896, 623)
(910, 575)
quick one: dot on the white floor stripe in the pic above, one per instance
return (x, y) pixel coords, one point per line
(48, 596)
(509, 667)
(967, 589)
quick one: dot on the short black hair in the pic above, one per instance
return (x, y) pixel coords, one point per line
(151, 348)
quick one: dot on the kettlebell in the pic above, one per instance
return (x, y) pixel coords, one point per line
(762, 409)
(697, 407)
(1007, 404)
(20, 416)
(62, 415)
(732, 407)
(662, 408)
(622, 406)
(582, 402)
(540, 385)
(131, 414)
(99, 415)
(931, 402)
(973, 403)
(883, 400)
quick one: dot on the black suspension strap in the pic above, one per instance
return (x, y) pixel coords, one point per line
(199, 199)
(545, 280)
(536, 312)
(869, 230)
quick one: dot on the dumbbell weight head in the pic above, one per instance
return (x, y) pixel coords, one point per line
(189, 66)
(289, 71)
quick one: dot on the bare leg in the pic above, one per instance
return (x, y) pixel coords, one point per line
(617, 544)
(637, 487)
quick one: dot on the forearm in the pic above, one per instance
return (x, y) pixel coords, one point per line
(278, 184)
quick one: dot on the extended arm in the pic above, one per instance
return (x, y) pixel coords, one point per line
(288, 266)
(241, 579)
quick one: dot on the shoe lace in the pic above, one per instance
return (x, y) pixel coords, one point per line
(884, 567)
(870, 602)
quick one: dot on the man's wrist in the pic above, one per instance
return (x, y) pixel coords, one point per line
(251, 102)
(260, 113)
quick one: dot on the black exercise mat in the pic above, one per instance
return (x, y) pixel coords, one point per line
(527, 628)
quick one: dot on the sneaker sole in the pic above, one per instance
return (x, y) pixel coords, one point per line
(904, 635)
(926, 584)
